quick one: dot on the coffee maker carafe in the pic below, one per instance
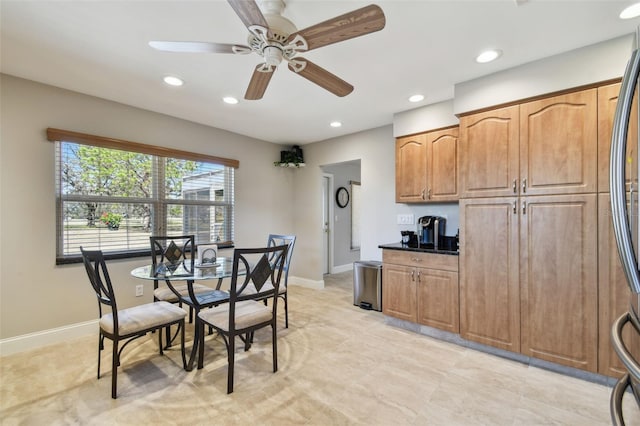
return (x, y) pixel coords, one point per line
(430, 230)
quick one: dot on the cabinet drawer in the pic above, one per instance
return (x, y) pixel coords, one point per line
(445, 262)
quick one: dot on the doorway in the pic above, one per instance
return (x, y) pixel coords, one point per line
(340, 248)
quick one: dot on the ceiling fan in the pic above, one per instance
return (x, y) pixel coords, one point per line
(276, 38)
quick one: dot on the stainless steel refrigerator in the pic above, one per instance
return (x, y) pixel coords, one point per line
(624, 171)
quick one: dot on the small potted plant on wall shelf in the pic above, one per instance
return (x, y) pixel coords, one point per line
(291, 158)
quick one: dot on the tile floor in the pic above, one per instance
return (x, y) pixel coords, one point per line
(338, 365)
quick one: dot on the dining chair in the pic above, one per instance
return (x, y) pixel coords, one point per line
(168, 251)
(290, 240)
(244, 314)
(126, 325)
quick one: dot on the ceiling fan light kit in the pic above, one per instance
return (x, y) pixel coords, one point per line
(275, 38)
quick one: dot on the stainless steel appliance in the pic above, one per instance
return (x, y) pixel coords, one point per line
(430, 230)
(625, 214)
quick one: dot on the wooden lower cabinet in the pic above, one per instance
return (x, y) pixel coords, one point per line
(489, 286)
(437, 295)
(559, 279)
(529, 276)
(421, 288)
(399, 292)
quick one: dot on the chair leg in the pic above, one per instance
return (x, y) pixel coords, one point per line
(114, 369)
(231, 358)
(160, 339)
(168, 334)
(200, 326)
(274, 327)
(100, 347)
(184, 357)
(286, 311)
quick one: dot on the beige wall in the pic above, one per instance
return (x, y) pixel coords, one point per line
(35, 294)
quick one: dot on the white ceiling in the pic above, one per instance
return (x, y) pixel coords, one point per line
(100, 48)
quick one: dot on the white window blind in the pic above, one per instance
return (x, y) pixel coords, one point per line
(114, 200)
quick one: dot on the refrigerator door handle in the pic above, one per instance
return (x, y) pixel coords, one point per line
(617, 187)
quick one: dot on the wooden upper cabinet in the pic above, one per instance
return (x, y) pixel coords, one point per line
(411, 169)
(442, 165)
(607, 102)
(489, 144)
(558, 144)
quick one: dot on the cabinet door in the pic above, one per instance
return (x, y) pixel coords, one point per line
(411, 169)
(437, 294)
(559, 279)
(442, 165)
(558, 144)
(489, 289)
(607, 101)
(489, 144)
(399, 292)
(613, 294)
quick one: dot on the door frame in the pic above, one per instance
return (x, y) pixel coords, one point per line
(327, 209)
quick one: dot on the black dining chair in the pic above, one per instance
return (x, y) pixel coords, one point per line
(167, 252)
(245, 313)
(128, 324)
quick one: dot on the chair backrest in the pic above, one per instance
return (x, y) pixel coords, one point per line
(170, 251)
(98, 275)
(278, 240)
(263, 268)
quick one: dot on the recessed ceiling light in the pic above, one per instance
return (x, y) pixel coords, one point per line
(630, 11)
(230, 100)
(335, 124)
(488, 56)
(173, 81)
(416, 98)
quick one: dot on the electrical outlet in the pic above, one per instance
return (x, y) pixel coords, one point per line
(139, 290)
(405, 219)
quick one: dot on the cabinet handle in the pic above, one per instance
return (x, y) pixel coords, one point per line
(524, 207)
(515, 186)
(418, 276)
(524, 185)
(515, 208)
(422, 194)
(416, 259)
(429, 194)
(412, 275)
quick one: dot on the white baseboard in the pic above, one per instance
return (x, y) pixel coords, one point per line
(342, 268)
(304, 282)
(39, 339)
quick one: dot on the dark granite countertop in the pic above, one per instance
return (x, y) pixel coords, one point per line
(428, 248)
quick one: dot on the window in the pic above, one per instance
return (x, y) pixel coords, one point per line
(114, 199)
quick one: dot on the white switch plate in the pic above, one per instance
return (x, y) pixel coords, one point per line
(139, 290)
(406, 219)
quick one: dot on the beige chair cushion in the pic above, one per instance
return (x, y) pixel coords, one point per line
(248, 313)
(143, 317)
(165, 293)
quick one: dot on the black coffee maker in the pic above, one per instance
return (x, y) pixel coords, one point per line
(431, 229)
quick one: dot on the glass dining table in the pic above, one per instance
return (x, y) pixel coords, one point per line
(190, 273)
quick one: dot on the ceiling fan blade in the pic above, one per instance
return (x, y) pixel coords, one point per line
(320, 76)
(198, 47)
(344, 27)
(249, 13)
(259, 82)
